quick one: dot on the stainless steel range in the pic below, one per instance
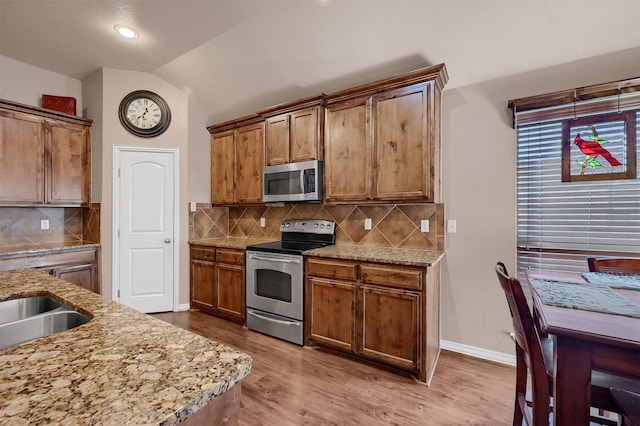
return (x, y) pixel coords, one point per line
(275, 278)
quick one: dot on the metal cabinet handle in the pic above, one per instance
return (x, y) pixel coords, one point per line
(168, 240)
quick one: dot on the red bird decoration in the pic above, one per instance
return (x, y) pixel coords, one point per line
(592, 149)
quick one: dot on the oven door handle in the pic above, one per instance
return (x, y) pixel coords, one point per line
(276, 260)
(273, 319)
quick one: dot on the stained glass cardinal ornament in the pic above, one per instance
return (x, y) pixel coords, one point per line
(592, 149)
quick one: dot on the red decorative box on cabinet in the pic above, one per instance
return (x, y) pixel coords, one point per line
(64, 104)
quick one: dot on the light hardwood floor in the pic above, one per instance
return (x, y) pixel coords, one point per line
(293, 385)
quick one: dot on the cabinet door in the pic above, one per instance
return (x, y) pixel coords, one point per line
(250, 161)
(230, 285)
(347, 154)
(305, 133)
(402, 145)
(223, 168)
(277, 139)
(203, 275)
(390, 326)
(67, 163)
(21, 159)
(331, 313)
(81, 275)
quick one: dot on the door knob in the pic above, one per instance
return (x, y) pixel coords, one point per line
(168, 240)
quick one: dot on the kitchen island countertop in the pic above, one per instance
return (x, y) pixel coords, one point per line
(123, 367)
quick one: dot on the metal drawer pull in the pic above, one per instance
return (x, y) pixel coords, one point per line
(168, 240)
(273, 320)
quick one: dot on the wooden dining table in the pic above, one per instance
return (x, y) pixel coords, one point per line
(586, 340)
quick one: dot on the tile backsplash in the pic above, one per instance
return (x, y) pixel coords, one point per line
(393, 225)
(20, 226)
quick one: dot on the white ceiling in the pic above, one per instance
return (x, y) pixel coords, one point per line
(237, 56)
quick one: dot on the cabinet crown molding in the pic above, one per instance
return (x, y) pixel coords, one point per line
(42, 112)
(232, 124)
(292, 106)
(437, 73)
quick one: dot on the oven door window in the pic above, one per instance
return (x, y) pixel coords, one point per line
(274, 285)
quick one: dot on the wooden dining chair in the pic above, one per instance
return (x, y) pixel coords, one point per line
(529, 356)
(629, 405)
(534, 359)
(614, 265)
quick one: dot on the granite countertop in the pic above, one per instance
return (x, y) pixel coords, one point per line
(230, 242)
(398, 256)
(35, 249)
(123, 367)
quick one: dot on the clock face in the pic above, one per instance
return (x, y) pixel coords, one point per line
(144, 114)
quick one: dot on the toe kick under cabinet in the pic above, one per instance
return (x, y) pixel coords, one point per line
(384, 313)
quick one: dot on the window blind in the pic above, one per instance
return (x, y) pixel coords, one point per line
(560, 224)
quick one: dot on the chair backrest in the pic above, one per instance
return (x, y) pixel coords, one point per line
(528, 341)
(614, 265)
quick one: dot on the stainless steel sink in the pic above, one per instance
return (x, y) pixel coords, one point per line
(34, 319)
(17, 309)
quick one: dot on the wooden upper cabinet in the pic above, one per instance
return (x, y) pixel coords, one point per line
(277, 139)
(68, 157)
(402, 145)
(382, 140)
(45, 156)
(21, 158)
(294, 131)
(305, 143)
(223, 168)
(237, 160)
(347, 165)
(250, 162)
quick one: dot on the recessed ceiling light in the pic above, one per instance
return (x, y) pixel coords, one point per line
(127, 32)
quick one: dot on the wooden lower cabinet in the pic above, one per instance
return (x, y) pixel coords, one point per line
(390, 328)
(203, 275)
(385, 313)
(332, 313)
(78, 266)
(217, 281)
(83, 275)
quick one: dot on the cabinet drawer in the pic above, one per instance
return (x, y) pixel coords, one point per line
(203, 253)
(232, 257)
(395, 276)
(331, 269)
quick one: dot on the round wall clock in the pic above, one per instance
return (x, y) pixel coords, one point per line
(144, 113)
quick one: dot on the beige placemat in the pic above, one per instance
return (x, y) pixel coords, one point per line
(589, 297)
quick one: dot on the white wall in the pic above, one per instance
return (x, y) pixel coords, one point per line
(92, 93)
(199, 172)
(115, 85)
(479, 173)
(24, 83)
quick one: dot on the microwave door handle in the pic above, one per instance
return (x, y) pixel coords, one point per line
(303, 182)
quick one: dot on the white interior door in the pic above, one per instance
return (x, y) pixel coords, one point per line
(145, 220)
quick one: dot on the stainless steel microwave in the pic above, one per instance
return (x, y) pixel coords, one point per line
(300, 181)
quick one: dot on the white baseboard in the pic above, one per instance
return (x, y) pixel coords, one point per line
(183, 307)
(494, 356)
